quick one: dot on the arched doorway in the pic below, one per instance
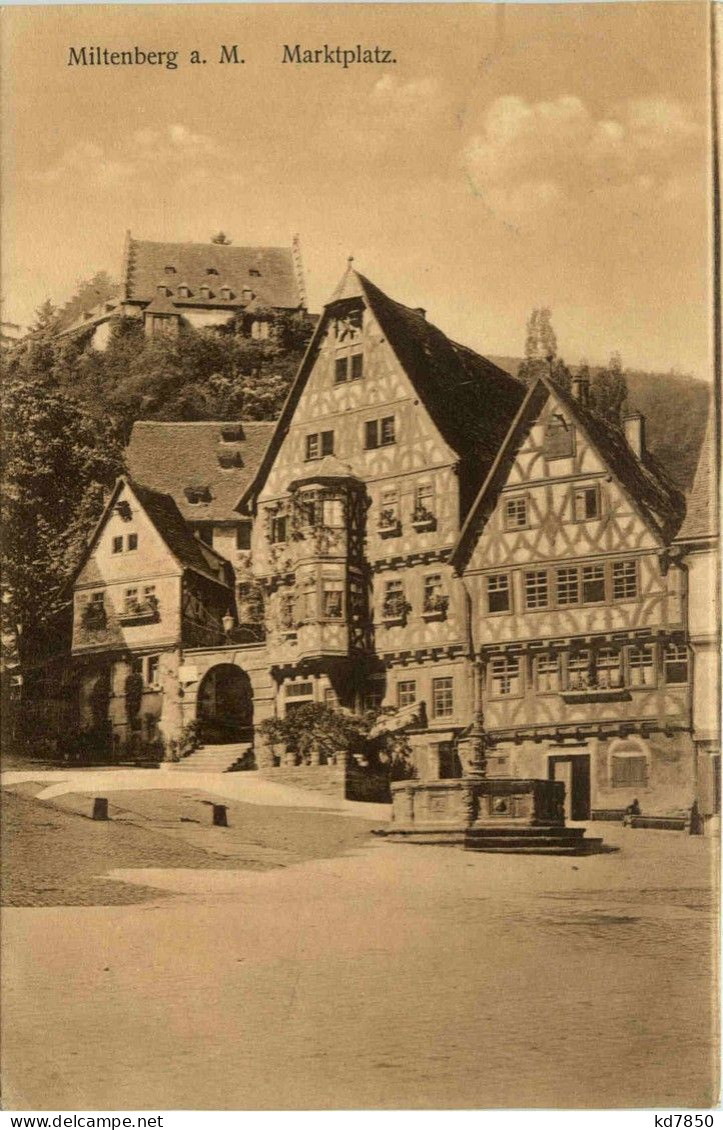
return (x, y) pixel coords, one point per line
(225, 707)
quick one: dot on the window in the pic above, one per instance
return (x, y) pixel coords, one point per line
(170, 270)
(198, 494)
(498, 592)
(118, 544)
(243, 535)
(357, 366)
(152, 667)
(640, 666)
(625, 580)
(628, 770)
(286, 611)
(536, 589)
(374, 694)
(332, 599)
(578, 671)
(406, 692)
(675, 663)
(349, 367)
(340, 370)
(587, 503)
(558, 441)
(568, 586)
(254, 272)
(331, 698)
(130, 600)
(132, 541)
(229, 459)
(318, 445)
(593, 584)
(211, 271)
(516, 513)
(300, 690)
(505, 676)
(278, 529)
(389, 508)
(442, 697)
(379, 433)
(332, 513)
(609, 671)
(423, 502)
(394, 604)
(547, 670)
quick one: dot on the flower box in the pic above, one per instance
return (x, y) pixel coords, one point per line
(423, 520)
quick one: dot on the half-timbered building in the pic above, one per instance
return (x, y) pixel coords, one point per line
(387, 433)
(579, 613)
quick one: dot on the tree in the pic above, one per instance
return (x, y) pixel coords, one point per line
(221, 238)
(609, 390)
(541, 349)
(58, 459)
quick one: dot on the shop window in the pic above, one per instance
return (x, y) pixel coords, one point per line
(536, 594)
(498, 592)
(505, 677)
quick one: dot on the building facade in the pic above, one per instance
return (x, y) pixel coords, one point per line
(419, 530)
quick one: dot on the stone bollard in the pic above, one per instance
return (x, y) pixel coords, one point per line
(100, 808)
(220, 818)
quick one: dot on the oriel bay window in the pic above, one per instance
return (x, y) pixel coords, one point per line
(332, 599)
(498, 592)
(505, 679)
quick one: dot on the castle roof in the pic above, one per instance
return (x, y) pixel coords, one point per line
(187, 458)
(470, 400)
(267, 274)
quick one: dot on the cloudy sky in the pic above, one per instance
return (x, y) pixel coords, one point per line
(511, 157)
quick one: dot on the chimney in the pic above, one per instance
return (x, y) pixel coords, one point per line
(634, 424)
(581, 388)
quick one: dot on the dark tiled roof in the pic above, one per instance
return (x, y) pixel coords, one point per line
(267, 271)
(173, 457)
(701, 516)
(470, 400)
(168, 520)
(658, 500)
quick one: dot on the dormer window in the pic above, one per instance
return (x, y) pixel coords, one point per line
(170, 270)
(233, 433)
(184, 291)
(226, 292)
(198, 494)
(254, 272)
(247, 294)
(229, 459)
(205, 291)
(163, 290)
(211, 271)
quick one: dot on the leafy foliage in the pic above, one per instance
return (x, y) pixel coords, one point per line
(609, 390)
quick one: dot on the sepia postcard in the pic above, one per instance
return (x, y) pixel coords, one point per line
(360, 558)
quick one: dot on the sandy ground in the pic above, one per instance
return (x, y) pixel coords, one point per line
(387, 976)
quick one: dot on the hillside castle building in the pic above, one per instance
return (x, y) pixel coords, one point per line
(418, 530)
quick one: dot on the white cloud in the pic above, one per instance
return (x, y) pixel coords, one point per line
(530, 156)
(87, 162)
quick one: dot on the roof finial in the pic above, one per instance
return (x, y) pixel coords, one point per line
(350, 260)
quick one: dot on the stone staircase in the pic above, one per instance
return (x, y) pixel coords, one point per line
(211, 758)
(522, 840)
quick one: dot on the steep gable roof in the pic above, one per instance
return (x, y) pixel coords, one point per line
(268, 272)
(189, 552)
(654, 495)
(175, 457)
(702, 519)
(469, 399)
